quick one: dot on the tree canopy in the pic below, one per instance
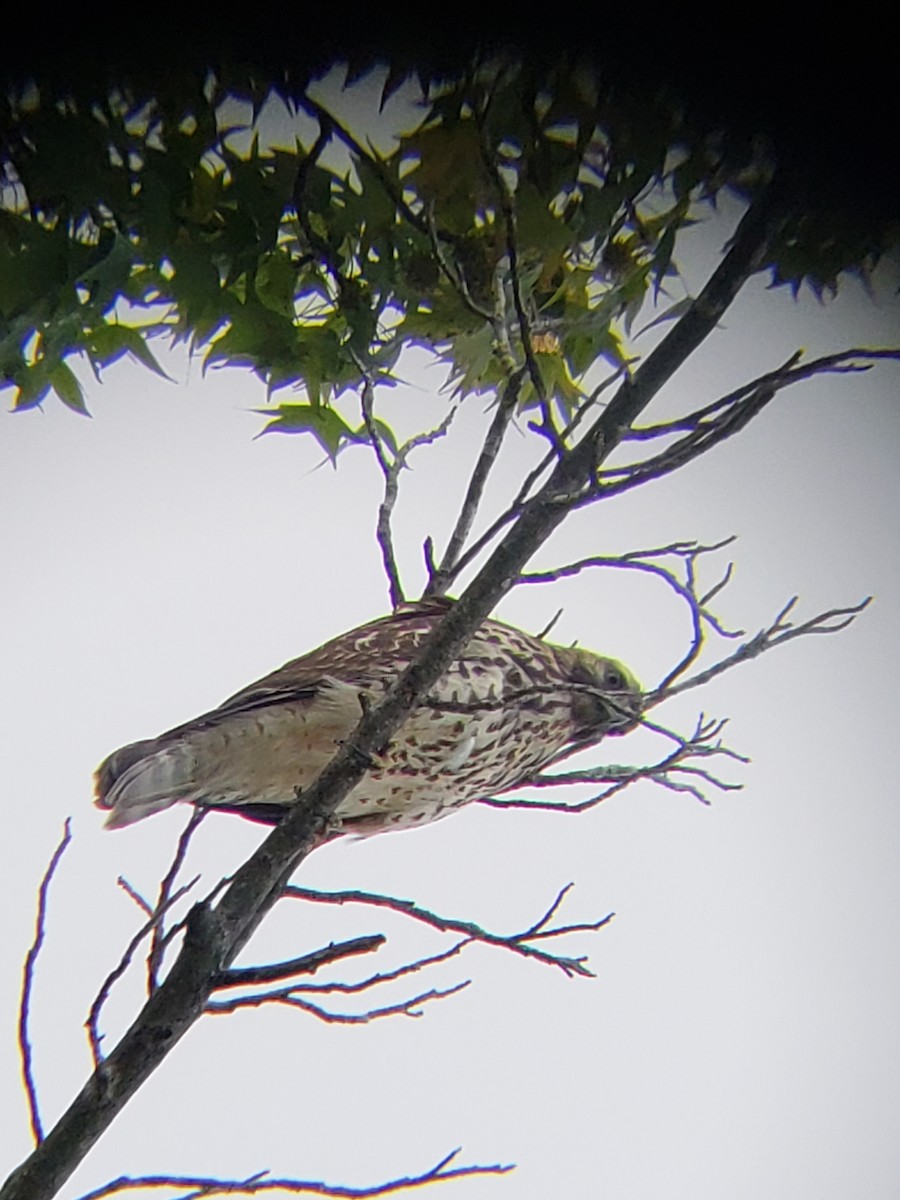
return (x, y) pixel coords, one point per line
(312, 257)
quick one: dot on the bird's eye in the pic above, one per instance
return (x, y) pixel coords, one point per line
(614, 679)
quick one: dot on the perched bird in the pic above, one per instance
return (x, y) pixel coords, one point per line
(499, 714)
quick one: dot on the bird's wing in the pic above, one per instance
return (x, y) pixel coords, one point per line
(366, 659)
(250, 699)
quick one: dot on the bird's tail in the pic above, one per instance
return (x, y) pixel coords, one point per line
(142, 779)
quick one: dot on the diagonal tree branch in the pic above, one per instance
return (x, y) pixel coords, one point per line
(214, 936)
(440, 578)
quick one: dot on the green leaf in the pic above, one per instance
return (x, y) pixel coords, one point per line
(276, 279)
(108, 343)
(678, 309)
(136, 343)
(384, 431)
(327, 427)
(68, 388)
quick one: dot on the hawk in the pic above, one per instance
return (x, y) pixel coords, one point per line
(501, 712)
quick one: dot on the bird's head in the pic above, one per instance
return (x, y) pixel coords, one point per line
(607, 698)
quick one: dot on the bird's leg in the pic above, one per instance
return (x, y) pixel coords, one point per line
(333, 827)
(375, 758)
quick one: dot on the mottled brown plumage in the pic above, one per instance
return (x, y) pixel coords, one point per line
(501, 712)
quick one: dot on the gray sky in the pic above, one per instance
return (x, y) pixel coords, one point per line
(740, 1038)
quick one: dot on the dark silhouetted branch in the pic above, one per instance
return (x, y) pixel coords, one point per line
(306, 964)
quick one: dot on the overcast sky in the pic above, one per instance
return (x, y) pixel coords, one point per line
(740, 1038)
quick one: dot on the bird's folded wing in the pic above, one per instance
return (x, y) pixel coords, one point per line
(249, 700)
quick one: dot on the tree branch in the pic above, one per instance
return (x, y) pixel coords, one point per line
(516, 942)
(780, 631)
(28, 970)
(703, 743)
(292, 997)
(306, 964)
(383, 531)
(93, 1021)
(158, 938)
(204, 1185)
(439, 579)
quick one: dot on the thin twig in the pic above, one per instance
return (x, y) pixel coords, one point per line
(665, 773)
(454, 273)
(306, 964)
(383, 530)
(508, 208)
(790, 372)
(781, 630)
(641, 560)
(405, 1008)
(135, 895)
(517, 942)
(439, 579)
(391, 469)
(343, 988)
(92, 1024)
(703, 438)
(334, 126)
(515, 508)
(705, 430)
(28, 969)
(158, 939)
(204, 1185)
(546, 631)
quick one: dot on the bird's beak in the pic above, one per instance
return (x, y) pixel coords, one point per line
(624, 709)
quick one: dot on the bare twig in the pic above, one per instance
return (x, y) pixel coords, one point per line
(517, 505)
(454, 273)
(439, 579)
(203, 1185)
(28, 970)
(667, 772)
(508, 207)
(334, 127)
(781, 630)
(135, 895)
(545, 632)
(703, 438)
(93, 1022)
(158, 939)
(343, 988)
(711, 425)
(410, 1007)
(841, 362)
(306, 964)
(517, 942)
(383, 530)
(643, 560)
(390, 469)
